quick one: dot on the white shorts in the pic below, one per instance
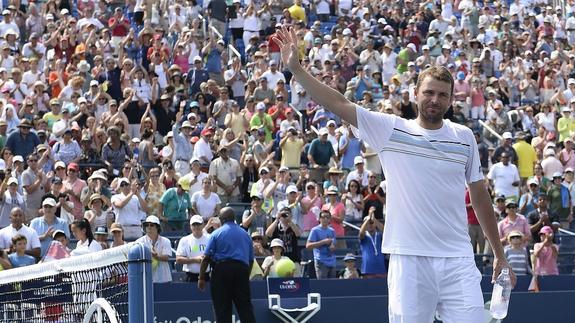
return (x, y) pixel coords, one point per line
(420, 286)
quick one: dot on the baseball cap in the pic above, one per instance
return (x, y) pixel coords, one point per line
(515, 233)
(332, 190)
(196, 219)
(58, 232)
(18, 158)
(358, 160)
(557, 174)
(74, 166)
(349, 257)
(184, 182)
(500, 197)
(569, 169)
(507, 135)
(123, 180)
(323, 131)
(49, 201)
(152, 219)
(291, 189)
(260, 106)
(116, 227)
(12, 180)
(546, 230)
(258, 196)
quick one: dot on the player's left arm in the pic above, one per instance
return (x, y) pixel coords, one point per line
(481, 203)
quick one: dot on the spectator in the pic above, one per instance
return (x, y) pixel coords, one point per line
(259, 245)
(293, 202)
(96, 215)
(278, 248)
(545, 253)
(47, 224)
(117, 235)
(19, 258)
(291, 146)
(182, 145)
(337, 211)
(227, 175)
(161, 249)
(256, 219)
(513, 221)
(370, 238)
(101, 236)
(350, 147)
(205, 202)
(191, 249)
(529, 201)
(196, 176)
(516, 254)
(115, 151)
(335, 178)
(9, 199)
(322, 241)
(127, 205)
(567, 154)
(22, 142)
(86, 242)
(320, 154)
(560, 200)
(175, 206)
(373, 195)
(526, 157)
(350, 271)
(475, 232)
(284, 228)
(73, 187)
(17, 227)
(505, 178)
(505, 147)
(359, 173)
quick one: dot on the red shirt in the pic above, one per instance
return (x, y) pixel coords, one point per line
(121, 29)
(273, 47)
(279, 117)
(471, 217)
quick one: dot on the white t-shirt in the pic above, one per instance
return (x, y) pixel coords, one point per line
(129, 215)
(85, 247)
(206, 207)
(197, 186)
(6, 234)
(502, 177)
(273, 78)
(163, 247)
(190, 246)
(426, 173)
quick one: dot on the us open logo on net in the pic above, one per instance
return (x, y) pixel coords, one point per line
(290, 285)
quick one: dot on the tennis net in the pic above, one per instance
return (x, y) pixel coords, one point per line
(66, 290)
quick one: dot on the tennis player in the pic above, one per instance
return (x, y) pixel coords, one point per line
(427, 163)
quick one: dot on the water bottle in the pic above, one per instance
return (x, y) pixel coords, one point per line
(500, 295)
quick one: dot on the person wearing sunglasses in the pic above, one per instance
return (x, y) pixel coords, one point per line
(127, 206)
(161, 249)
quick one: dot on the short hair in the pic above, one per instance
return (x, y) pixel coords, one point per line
(17, 238)
(439, 73)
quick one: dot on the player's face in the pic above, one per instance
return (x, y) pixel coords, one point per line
(433, 100)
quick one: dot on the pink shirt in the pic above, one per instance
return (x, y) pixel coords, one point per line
(461, 87)
(546, 263)
(569, 157)
(76, 187)
(520, 224)
(311, 218)
(338, 209)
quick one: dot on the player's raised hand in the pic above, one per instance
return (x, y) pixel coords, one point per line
(287, 41)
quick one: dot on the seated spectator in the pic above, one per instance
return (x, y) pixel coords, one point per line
(322, 241)
(161, 249)
(545, 254)
(117, 235)
(17, 227)
(268, 266)
(86, 242)
(259, 245)
(191, 249)
(101, 236)
(335, 179)
(4, 261)
(96, 215)
(19, 258)
(350, 271)
(48, 223)
(516, 254)
(370, 238)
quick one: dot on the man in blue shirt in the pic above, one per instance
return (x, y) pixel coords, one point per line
(47, 224)
(370, 238)
(22, 142)
(231, 254)
(322, 240)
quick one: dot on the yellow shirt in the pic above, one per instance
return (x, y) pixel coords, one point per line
(291, 153)
(51, 118)
(297, 12)
(565, 126)
(526, 158)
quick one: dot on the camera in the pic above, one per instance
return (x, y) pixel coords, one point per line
(293, 132)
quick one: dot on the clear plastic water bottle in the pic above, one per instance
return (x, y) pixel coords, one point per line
(500, 295)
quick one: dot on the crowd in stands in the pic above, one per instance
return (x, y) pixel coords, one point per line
(137, 119)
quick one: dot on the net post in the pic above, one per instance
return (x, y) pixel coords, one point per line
(140, 294)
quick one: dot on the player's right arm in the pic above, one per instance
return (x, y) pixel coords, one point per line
(326, 96)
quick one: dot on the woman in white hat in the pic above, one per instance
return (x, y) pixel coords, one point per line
(277, 246)
(95, 215)
(161, 249)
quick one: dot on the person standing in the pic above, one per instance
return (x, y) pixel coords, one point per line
(231, 255)
(322, 240)
(436, 270)
(370, 236)
(191, 249)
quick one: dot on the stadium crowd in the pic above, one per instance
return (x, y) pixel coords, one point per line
(135, 120)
